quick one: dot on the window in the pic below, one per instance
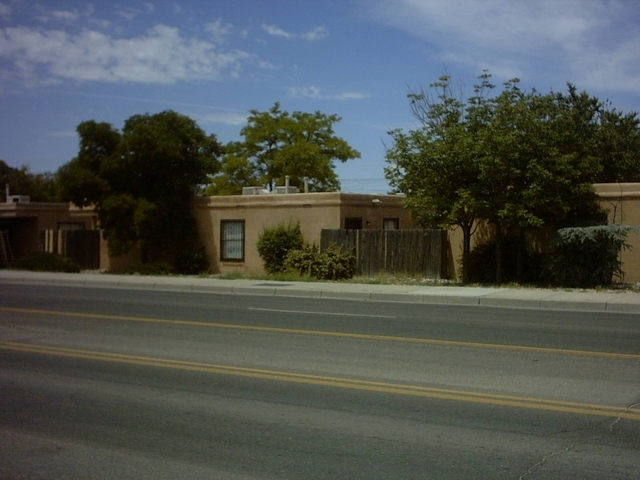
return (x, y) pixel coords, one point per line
(353, 223)
(391, 224)
(232, 240)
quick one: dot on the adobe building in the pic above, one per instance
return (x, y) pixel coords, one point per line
(23, 222)
(229, 226)
(621, 201)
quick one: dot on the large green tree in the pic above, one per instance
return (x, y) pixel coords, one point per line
(530, 178)
(141, 180)
(278, 143)
(514, 159)
(41, 187)
(438, 165)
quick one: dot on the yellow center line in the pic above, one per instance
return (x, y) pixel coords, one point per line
(323, 333)
(320, 380)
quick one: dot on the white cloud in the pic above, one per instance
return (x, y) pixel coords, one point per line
(316, 33)
(227, 118)
(315, 92)
(161, 55)
(590, 42)
(276, 31)
(218, 30)
(65, 16)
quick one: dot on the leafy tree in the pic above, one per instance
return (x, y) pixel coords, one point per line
(438, 165)
(41, 187)
(277, 144)
(236, 172)
(86, 179)
(529, 179)
(618, 146)
(515, 159)
(141, 180)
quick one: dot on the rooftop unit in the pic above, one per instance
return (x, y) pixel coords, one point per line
(255, 191)
(284, 190)
(18, 199)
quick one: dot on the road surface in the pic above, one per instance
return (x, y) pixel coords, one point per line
(118, 384)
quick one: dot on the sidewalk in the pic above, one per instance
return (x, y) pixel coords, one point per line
(623, 301)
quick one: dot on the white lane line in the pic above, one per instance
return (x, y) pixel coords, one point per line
(321, 313)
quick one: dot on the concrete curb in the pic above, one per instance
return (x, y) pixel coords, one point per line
(623, 302)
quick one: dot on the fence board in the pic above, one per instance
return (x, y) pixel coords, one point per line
(83, 246)
(414, 252)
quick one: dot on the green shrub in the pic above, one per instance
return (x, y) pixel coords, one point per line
(587, 257)
(304, 261)
(335, 263)
(275, 243)
(192, 263)
(45, 262)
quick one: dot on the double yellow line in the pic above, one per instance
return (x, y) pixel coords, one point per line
(326, 381)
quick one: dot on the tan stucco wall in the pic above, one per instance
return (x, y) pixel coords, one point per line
(25, 221)
(313, 211)
(622, 202)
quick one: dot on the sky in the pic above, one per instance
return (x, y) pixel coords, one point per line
(63, 62)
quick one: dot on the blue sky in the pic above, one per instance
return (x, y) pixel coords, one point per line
(64, 61)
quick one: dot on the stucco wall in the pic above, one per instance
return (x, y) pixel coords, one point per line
(25, 221)
(622, 202)
(313, 211)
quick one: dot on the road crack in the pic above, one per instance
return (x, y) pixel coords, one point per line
(572, 445)
(626, 410)
(544, 459)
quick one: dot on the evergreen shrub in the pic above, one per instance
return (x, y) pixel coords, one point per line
(588, 256)
(45, 262)
(276, 242)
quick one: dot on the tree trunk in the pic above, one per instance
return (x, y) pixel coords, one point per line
(498, 254)
(520, 258)
(466, 251)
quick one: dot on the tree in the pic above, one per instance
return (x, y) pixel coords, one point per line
(618, 145)
(530, 178)
(437, 166)
(236, 171)
(507, 159)
(41, 187)
(141, 180)
(277, 144)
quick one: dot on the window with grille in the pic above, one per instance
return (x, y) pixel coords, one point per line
(232, 240)
(391, 224)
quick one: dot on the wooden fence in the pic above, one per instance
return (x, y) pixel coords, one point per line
(412, 252)
(83, 246)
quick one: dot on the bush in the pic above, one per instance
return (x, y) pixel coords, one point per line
(192, 263)
(304, 261)
(587, 257)
(45, 262)
(335, 263)
(275, 243)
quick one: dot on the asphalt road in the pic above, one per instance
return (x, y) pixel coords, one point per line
(119, 384)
